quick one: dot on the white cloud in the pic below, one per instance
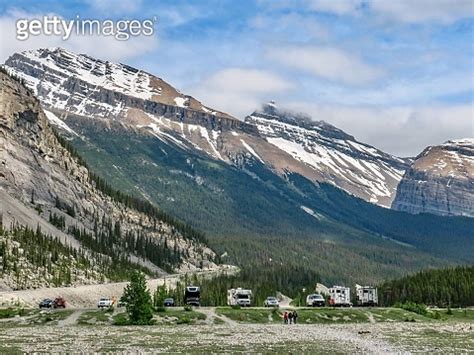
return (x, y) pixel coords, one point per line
(239, 91)
(113, 7)
(339, 7)
(326, 62)
(397, 90)
(410, 11)
(98, 46)
(400, 130)
(405, 11)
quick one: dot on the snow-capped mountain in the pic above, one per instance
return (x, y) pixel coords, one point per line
(87, 86)
(440, 181)
(341, 160)
(75, 86)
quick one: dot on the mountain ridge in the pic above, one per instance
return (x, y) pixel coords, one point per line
(62, 80)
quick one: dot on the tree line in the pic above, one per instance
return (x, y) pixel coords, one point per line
(263, 279)
(448, 287)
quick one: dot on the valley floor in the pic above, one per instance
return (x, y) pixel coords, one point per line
(225, 330)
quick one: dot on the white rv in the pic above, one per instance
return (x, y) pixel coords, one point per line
(239, 297)
(366, 295)
(340, 296)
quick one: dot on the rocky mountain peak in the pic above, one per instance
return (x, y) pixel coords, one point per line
(343, 161)
(440, 180)
(270, 111)
(95, 88)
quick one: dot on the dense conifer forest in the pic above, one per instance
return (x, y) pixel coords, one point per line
(449, 287)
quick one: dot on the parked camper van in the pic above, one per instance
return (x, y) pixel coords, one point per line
(192, 296)
(340, 296)
(366, 295)
(239, 297)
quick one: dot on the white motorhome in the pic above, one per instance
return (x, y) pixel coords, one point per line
(239, 297)
(366, 295)
(340, 296)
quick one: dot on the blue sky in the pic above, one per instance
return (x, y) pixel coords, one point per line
(396, 74)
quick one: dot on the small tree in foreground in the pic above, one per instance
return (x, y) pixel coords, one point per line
(138, 300)
(159, 298)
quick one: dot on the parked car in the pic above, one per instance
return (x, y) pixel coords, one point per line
(169, 302)
(104, 303)
(59, 302)
(315, 300)
(271, 302)
(46, 303)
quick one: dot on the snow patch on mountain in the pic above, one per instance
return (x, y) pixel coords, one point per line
(55, 120)
(312, 213)
(251, 151)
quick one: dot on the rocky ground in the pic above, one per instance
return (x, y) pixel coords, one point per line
(73, 331)
(350, 338)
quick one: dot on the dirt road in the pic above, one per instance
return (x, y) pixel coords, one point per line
(87, 296)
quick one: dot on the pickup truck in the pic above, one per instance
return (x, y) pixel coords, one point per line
(315, 300)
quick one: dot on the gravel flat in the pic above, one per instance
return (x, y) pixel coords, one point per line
(300, 338)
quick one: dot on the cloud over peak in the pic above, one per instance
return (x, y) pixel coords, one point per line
(326, 62)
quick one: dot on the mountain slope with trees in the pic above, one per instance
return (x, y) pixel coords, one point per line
(45, 183)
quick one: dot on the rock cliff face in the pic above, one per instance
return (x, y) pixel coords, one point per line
(40, 177)
(440, 181)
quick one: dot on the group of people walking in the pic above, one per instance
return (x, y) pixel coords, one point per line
(290, 317)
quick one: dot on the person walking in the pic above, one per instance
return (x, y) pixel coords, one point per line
(295, 316)
(290, 317)
(285, 318)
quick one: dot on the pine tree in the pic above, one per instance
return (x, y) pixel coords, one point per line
(138, 300)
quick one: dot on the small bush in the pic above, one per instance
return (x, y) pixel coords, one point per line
(436, 315)
(236, 306)
(449, 312)
(121, 319)
(188, 308)
(413, 307)
(160, 309)
(184, 320)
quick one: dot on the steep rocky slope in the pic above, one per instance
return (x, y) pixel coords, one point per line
(42, 183)
(77, 86)
(440, 181)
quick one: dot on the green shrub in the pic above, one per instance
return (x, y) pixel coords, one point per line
(236, 306)
(160, 309)
(413, 307)
(188, 308)
(184, 320)
(436, 315)
(121, 319)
